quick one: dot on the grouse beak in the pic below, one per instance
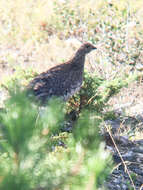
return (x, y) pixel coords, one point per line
(94, 47)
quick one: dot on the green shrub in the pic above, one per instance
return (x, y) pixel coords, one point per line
(96, 92)
(30, 151)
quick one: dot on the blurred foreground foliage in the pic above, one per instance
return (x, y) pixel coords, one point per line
(31, 156)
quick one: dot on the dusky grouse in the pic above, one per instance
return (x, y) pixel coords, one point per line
(63, 80)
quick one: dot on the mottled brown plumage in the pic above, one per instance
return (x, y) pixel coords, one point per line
(63, 80)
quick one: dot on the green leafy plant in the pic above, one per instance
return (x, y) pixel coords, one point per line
(32, 157)
(96, 92)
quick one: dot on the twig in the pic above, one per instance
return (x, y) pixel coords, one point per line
(125, 166)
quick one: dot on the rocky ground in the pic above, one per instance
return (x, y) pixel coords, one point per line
(127, 156)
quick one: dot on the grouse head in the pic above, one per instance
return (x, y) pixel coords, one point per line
(86, 48)
(80, 54)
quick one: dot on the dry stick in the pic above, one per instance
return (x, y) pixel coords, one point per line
(127, 48)
(89, 101)
(125, 166)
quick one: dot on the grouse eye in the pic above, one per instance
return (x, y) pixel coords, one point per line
(87, 46)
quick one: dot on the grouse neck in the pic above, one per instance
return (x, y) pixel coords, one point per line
(78, 60)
